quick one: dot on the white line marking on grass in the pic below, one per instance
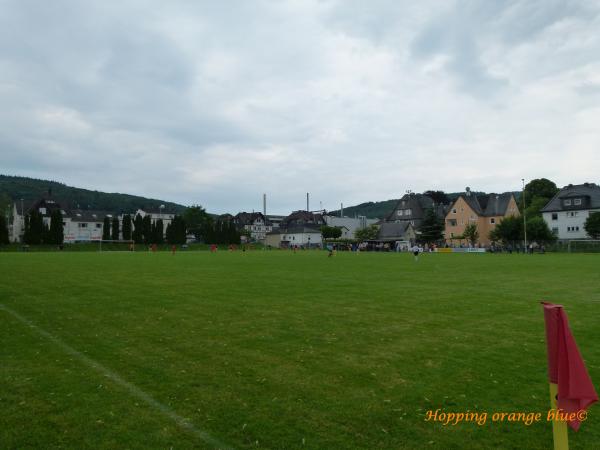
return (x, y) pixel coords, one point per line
(132, 388)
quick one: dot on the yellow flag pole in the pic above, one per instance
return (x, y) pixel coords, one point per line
(559, 427)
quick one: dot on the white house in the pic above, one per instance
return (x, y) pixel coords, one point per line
(301, 236)
(78, 225)
(568, 210)
(255, 223)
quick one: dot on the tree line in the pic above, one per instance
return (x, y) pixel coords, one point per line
(37, 231)
(141, 230)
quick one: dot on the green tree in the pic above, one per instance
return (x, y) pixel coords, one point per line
(176, 231)
(56, 233)
(106, 229)
(5, 205)
(126, 227)
(432, 228)
(147, 229)
(537, 193)
(3, 230)
(592, 225)
(471, 234)
(26, 229)
(196, 219)
(159, 231)
(138, 225)
(46, 236)
(538, 231)
(34, 228)
(540, 187)
(535, 206)
(508, 231)
(331, 232)
(115, 229)
(439, 197)
(367, 233)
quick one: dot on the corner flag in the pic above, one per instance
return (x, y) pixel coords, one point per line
(566, 369)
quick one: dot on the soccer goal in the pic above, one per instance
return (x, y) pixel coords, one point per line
(115, 246)
(584, 246)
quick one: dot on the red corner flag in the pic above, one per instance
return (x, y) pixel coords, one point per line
(565, 365)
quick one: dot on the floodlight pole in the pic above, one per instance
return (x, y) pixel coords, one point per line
(524, 216)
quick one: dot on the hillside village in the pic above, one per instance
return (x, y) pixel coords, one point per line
(470, 220)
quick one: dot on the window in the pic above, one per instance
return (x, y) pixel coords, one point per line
(554, 216)
(492, 220)
(399, 212)
(452, 222)
(82, 225)
(555, 231)
(572, 214)
(98, 225)
(407, 212)
(577, 201)
(567, 202)
(454, 211)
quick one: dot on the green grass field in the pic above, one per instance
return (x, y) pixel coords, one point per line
(270, 349)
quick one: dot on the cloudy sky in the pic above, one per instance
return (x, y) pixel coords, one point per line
(216, 102)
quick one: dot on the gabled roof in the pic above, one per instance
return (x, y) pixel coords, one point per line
(244, 218)
(487, 205)
(393, 230)
(418, 204)
(302, 218)
(590, 191)
(497, 204)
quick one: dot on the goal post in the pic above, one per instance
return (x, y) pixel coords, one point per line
(115, 245)
(583, 246)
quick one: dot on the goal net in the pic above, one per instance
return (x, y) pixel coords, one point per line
(584, 246)
(115, 246)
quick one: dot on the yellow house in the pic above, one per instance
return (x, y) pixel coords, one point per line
(485, 211)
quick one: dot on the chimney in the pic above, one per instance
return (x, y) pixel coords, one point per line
(265, 205)
(307, 204)
(341, 210)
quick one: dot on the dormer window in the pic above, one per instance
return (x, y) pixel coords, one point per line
(568, 202)
(577, 201)
(400, 212)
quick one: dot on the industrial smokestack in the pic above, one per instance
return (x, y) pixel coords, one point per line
(307, 205)
(265, 205)
(341, 210)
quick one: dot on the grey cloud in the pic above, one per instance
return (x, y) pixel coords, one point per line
(217, 102)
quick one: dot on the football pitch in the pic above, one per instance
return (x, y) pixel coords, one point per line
(270, 349)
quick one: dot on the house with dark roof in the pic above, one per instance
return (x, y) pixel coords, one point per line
(411, 208)
(255, 223)
(568, 210)
(301, 228)
(393, 232)
(485, 211)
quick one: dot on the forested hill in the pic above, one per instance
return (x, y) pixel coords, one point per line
(14, 188)
(372, 210)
